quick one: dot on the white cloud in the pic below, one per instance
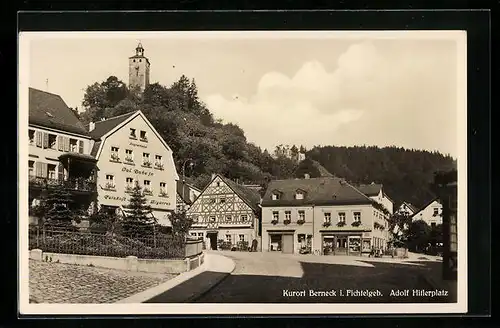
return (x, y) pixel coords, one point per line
(374, 96)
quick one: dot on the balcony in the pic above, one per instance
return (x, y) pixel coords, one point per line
(76, 184)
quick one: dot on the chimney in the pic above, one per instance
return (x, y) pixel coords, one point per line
(306, 176)
(91, 126)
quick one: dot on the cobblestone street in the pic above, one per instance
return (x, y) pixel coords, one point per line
(266, 278)
(65, 283)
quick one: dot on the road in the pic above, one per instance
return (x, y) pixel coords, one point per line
(279, 278)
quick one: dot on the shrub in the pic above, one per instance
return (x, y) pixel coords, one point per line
(242, 246)
(287, 221)
(301, 222)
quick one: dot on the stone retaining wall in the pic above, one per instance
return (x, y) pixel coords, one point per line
(129, 263)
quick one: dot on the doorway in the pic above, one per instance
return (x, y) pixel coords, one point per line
(288, 244)
(213, 240)
(341, 245)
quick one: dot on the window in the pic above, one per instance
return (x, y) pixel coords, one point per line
(433, 224)
(327, 217)
(288, 215)
(211, 201)
(242, 237)
(302, 215)
(276, 196)
(145, 159)
(229, 218)
(143, 136)
(218, 184)
(212, 219)
(228, 238)
(193, 234)
(299, 195)
(31, 168)
(115, 153)
(129, 155)
(129, 184)
(52, 141)
(31, 136)
(158, 161)
(244, 217)
(163, 188)
(147, 186)
(73, 145)
(222, 200)
(357, 217)
(436, 211)
(51, 170)
(132, 134)
(200, 234)
(276, 215)
(301, 238)
(342, 217)
(110, 181)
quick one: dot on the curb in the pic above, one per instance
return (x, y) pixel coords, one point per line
(148, 294)
(207, 289)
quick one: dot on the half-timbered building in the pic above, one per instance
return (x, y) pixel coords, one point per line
(226, 213)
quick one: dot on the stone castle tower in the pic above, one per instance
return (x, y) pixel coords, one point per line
(138, 69)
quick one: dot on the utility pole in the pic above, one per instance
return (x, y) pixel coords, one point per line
(184, 178)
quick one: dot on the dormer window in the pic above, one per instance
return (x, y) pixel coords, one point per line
(276, 195)
(299, 194)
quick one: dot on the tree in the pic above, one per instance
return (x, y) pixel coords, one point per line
(418, 236)
(57, 206)
(181, 223)
(138, 221)
(105, 221)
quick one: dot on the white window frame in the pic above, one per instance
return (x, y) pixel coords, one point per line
(276, 215)
(356, 216)
(302, 215)
(288, 215)
(327, 217)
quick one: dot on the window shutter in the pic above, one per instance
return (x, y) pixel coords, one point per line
(45, 171)
(80, 146)
(60, 145)
(39, 138)
(45, 140)
(38, 169)
(66, 143)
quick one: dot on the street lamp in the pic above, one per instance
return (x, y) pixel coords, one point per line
(191, 164)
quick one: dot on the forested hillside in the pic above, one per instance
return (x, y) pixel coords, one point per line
(405, 173)
(192, 132)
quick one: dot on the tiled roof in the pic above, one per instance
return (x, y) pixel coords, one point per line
(319, 191)
(103, 127)
(411, 206)
(250, 196)
(372, 189)
(49, 110)
(185, 196)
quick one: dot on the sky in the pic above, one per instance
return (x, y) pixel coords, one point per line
(304, 89)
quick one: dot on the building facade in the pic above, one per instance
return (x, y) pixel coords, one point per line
(225, 212)
(323, 215)
(138, 69)
(129, 150)
(406, 208)
(59, 148)
(431, 213)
